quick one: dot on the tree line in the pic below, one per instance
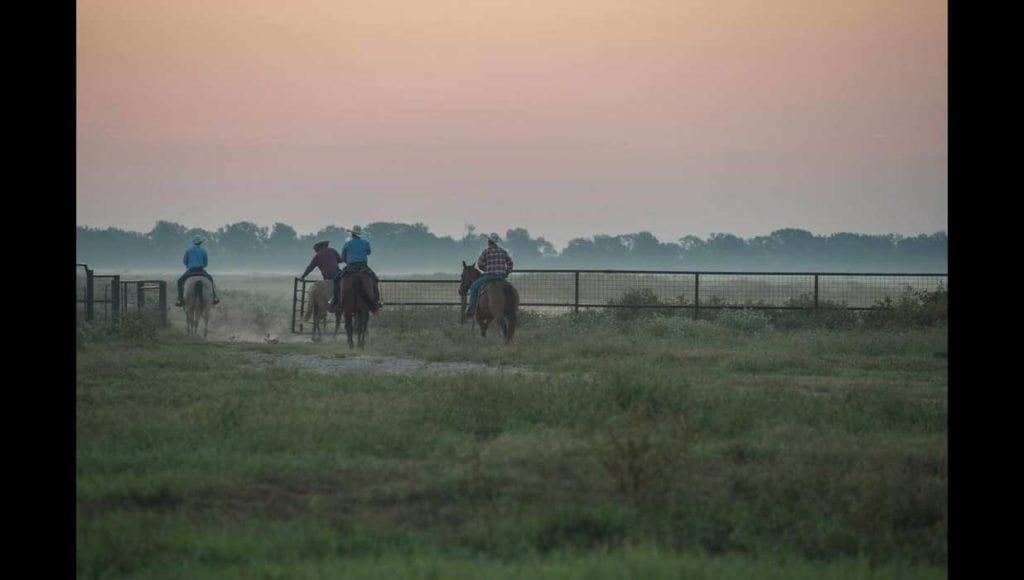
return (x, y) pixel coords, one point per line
(405, 248)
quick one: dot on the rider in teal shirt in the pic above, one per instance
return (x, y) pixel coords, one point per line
(195, 261)
(355, 254)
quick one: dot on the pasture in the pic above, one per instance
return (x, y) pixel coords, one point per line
(597, 445)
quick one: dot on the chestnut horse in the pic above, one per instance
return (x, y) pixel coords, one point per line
(499, 301)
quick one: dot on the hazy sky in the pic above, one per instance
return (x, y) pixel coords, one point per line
(569, 118)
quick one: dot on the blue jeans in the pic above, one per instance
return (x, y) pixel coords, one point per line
(196, 272)
(474, 288)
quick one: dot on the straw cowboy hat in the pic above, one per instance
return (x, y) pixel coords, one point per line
(321, 244)
(357, 230)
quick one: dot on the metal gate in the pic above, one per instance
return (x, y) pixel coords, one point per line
(107, 297)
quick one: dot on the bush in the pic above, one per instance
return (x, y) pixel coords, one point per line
(912, 308)
(826, 315)
(641, 456)
(637, 303)
(744, 320)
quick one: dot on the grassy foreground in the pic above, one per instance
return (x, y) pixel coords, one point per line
(657, 447)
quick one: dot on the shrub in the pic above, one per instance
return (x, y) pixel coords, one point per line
(911, 308)
(826, 315)
(640, 455)
(744, 320)
(637, 303)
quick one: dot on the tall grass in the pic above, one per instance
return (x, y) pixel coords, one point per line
(734, 447)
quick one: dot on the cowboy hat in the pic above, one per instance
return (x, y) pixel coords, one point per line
(197, 239)
(356, 230)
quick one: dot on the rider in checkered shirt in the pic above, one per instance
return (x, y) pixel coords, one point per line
(495, 263)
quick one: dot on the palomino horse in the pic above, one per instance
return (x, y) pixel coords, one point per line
(198, 303)
(499, 301)
(357, 304)
(317, 309)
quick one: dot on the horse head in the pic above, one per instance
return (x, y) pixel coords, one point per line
(469, 274)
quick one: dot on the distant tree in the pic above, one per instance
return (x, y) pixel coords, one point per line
(240, 245)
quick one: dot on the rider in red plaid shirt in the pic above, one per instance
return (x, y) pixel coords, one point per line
(495, 263)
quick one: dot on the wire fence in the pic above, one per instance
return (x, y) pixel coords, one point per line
(575, 290)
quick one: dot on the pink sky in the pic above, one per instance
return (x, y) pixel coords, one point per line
(569, 119)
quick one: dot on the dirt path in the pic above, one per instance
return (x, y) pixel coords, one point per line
(379, 364)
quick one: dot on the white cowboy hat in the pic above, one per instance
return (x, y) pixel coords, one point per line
(356, 230)
(197, 239)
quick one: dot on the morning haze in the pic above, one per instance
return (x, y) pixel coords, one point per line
(576, 118)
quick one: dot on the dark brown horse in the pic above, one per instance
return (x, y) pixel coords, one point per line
(499, 301)
(357, 304)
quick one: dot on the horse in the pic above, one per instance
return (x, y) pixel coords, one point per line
(317, 309)
(499, 301)
(198, 303)
(356, 305)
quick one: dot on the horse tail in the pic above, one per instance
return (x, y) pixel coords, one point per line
(199, 290)
(511, 309)
(361, 288)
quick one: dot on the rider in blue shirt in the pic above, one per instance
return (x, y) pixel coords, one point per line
(195, 261)
(355, 254)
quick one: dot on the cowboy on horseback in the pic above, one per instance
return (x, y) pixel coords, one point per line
(495, 263)
(195, 261)
(355, 253)
(327, 260)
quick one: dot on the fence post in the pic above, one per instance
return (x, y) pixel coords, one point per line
(576, 299)
(140, 296)
(295, 300)
(696, 296)
(88, 295)
(161, 301)
(815, 290)
(115, 298)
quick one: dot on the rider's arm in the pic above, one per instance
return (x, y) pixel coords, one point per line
(367, 248)
(184, 260)
(481, 263)
(508, 266)
(206, 258)
(344, 254)
(309, 268)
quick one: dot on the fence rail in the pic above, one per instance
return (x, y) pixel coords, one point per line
(564, 290)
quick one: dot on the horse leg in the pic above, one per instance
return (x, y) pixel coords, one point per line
(484, 322)
(363, 321)
(348, 330)
(337, 325)
(206, 321)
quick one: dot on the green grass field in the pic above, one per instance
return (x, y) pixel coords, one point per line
(640, 447)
